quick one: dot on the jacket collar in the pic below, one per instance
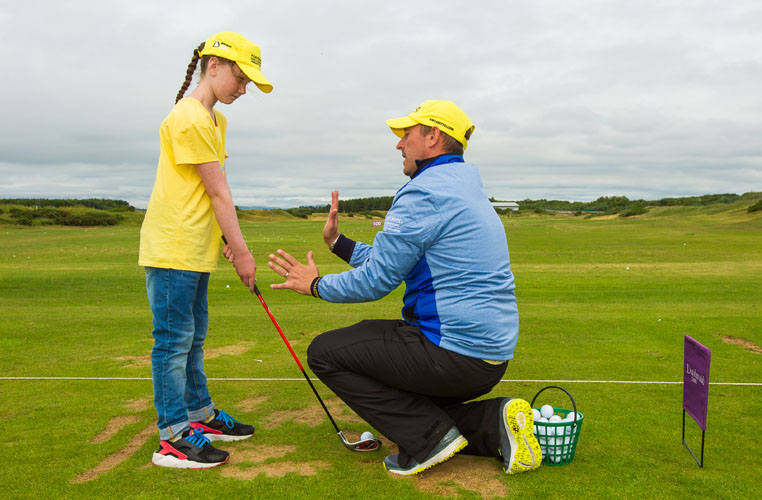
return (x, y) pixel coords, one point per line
(435, 160)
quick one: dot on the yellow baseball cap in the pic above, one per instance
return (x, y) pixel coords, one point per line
(236, 47)
(444, 115)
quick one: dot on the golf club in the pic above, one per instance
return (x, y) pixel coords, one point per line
(362, 445)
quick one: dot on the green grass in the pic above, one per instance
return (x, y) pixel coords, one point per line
(73, 304)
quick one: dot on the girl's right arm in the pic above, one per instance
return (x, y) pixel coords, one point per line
(217, 188)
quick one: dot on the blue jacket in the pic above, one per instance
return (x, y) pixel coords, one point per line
(444, 240)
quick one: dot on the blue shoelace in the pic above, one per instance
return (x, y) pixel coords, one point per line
(226, 419)
(197, 438)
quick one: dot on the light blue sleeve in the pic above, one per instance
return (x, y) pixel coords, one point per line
(411, 225)
(361, 252)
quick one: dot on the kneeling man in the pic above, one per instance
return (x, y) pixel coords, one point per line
(414, 379)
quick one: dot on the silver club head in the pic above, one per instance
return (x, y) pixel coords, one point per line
(363, 445)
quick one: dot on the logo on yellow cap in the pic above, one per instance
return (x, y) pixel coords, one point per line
(445, 115)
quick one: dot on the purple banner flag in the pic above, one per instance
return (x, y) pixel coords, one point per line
(696, 380)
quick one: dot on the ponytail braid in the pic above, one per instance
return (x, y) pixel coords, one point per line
(189, 72)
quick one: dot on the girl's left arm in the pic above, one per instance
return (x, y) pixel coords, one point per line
(217, 188)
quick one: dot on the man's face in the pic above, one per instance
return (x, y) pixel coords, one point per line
(413, 147)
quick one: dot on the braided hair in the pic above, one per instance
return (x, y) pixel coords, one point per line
(190, 71)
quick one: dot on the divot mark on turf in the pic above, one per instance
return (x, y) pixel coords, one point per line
(250, 403)
(258, 453)
(313, 415)
(483, 476)
(228, 350)
(118, 457)
(277, 469)
(134, 361)
(477, 474)
(209, 353)
(113, 426)
(746, 344)
(140, 404)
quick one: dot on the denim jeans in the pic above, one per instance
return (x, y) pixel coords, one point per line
(180, 321)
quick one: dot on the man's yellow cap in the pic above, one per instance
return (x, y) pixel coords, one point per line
(236, 47)
(444, 115)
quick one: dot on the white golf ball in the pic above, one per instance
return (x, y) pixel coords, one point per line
(541, 437)
(570, 417)
(366, 435)
(227, 286)
(557, 431)
(546, 411)
(542, 432)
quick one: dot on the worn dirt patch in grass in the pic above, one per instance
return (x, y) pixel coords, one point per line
(118, 457)
(250, 404)
(248, 460)
(746, 344)
(209, 353)
(312, 415)
(113, 426)
(256, 453)
(276, 469)
(134, 361)
(228, 350)
(477, 474)
(483, 476)
(140, 404)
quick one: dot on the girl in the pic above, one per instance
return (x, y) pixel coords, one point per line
(190, 208)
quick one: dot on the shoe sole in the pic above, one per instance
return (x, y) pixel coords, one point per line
(176, 463)
(525, 449)
(447, 453)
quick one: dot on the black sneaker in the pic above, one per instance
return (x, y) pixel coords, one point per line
(448, 446)
(518, 445)
(223, 427)
(192, 451)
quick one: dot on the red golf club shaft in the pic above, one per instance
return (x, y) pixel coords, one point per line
(277, 326)
(296, 358)
(366, 445)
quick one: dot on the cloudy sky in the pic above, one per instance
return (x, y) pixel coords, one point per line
(572, 99)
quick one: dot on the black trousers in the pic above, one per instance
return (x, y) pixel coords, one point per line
(409, 389)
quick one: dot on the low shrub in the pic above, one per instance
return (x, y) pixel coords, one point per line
(55, 216)
(635, 209)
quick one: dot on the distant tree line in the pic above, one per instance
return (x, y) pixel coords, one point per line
(65, 212)
(61, 217)
(626, 207)
(364, 206)
(622, 205)
(96, 203)
(101, 211)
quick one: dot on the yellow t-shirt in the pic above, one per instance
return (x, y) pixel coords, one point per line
(180, 230)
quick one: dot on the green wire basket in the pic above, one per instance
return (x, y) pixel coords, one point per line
(558, 440)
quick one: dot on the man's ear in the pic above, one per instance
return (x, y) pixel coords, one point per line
(434, 136)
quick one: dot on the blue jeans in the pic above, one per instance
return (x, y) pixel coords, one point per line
(180, 321)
